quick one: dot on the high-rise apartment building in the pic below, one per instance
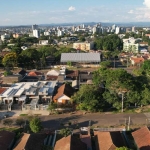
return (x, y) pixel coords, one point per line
(117, 31)
(35, 27)
(36, 33)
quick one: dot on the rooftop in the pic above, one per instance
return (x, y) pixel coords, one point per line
(142, 138)
(80, 57)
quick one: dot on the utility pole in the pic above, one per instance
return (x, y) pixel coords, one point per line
(127, 62)
(114, 63)
(122, 101)
(129, 124)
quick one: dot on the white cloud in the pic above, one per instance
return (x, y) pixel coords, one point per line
(147, 3)
(71, 8)
(130, 12)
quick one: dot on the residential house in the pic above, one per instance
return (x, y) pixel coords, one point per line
(143, 47)
(83, 46)
(72, 74)
(22, 72)
(28, 94)
(2, 90)
(142, 138)
(63, 94)
(70, 143)
(75, 84)
(108, 140)
(136, 61)
(43, 42)
(39, 75)
(17, 35)
(85, 77)
(52, 75)
(6, 140)
(33, 141)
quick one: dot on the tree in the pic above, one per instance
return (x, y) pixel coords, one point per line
(52, 106)
(89, 98)
(47, 50)
(43, 61)
(105, 64)
(35, 125)
(10, 60)
(7, 73)
(69, 63)
(8, 122)
(65, 132)
(16, 50)
(20, 122)
(108, 42)
(123, 148)
(115, 82)
(82, 38)
(31, 58)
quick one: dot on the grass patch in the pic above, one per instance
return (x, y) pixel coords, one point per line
(23, 114)
(129, 111)
(9, 129)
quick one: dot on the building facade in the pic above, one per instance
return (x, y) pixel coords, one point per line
(83, 46)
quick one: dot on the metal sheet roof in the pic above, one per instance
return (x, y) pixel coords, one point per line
(80, 57)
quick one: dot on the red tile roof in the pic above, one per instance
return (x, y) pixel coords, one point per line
(33, 73)
(65, 89)
(72, 73)
(108, 140)
(70, 143)
(2, 90)
(142, 138)
(22, 142)
(137, 60)
(32, 141)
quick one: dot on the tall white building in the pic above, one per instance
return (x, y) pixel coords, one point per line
(5, 36)
(117, 31)
(36, 33)
(114, 27)
(133, 29)
(46, 33)
(94, 29)
(60, 33)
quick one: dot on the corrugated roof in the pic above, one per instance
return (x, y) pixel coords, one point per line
(80, 57)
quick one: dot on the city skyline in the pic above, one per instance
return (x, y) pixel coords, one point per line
(27, 12)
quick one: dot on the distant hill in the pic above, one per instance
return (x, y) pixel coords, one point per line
(120, 24)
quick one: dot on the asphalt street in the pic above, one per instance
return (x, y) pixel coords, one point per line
(101, 120)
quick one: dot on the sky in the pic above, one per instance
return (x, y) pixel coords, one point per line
(27, 12)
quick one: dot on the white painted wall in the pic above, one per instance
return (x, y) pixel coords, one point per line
(63, 97)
